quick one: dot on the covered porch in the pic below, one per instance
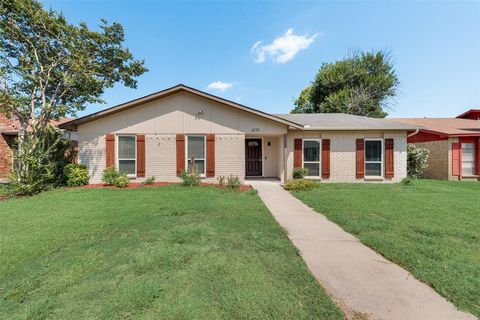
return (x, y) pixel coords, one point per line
(265, 156)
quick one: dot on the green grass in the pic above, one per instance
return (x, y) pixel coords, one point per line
(432, 228)
(163, 252)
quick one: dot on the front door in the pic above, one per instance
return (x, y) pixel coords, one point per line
(253, 157)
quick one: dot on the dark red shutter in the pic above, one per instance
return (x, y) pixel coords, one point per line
(110, 150)
(360, 158)
(210, 155)
(456, 159)
(180, 153)
(297, 153)
(140, 155)
(325, 158)
(389, 163)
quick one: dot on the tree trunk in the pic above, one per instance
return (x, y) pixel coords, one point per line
(20, 151)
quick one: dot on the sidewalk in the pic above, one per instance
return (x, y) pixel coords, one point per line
(365, 284)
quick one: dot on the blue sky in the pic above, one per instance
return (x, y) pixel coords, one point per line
(435, 46)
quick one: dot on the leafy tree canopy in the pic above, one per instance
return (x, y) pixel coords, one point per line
(362, 84)
(50, 68)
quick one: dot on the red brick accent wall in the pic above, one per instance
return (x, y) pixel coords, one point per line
(5, 155)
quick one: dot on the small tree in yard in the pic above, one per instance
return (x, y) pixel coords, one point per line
(50, 69)
(417, 159)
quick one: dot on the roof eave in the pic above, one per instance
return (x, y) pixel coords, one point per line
(359, 129)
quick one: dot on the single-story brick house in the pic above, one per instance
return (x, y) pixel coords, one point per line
(454, 145)
(157, 135)
(8, 135)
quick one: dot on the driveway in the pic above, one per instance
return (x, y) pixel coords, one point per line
(362, 282)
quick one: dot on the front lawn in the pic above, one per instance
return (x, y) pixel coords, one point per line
(163, 252)
(431, 228)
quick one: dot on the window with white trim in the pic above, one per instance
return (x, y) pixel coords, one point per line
(127, 154)
(468, 159)
(311, 157)
(373, 157)
(196, 149)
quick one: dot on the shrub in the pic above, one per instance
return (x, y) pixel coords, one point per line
(39, 162)
(77, 175)
(114, 178)
(234, 183)
(408, 181)
(190, 179)
(416, 161)
(149, 181)
(221, 180)
(300, 184)
(121, 181)
(109, 175)
(299, 173)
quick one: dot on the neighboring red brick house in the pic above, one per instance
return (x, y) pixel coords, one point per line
(8, 134)
(454, 145)
(472, 114)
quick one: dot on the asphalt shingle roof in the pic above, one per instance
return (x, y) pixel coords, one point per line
(448, 126)
(342, 121)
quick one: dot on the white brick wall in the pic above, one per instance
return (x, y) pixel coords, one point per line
(230, 155)
(342, 153)
(91, 152)
(160, 156)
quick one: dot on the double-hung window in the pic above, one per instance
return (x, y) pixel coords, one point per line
(127, 151)
(373, 157)
(196, 150)
(311, 157)
(468, 159)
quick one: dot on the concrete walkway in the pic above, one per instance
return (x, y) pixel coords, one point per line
(365, 284)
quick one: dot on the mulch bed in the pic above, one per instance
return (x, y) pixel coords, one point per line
(243, 188)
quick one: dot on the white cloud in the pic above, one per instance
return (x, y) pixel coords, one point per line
(220, 86)
(283, 48)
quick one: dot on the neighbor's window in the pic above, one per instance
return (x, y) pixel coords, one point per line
(468, 159)
(373, 158)
(196, 149)
(311, 157)
(127, 154)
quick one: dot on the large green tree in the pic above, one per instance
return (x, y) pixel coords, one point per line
(362, 84)
(50, 68)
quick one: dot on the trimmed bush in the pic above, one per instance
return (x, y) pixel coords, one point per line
(121, 181)
(114, 178)
(149, 181)
(234, 183)
(300, 184)
(299, 173)
(408, 181)
(190, 179)
(77, 175)
(109, 175)
(416, 161)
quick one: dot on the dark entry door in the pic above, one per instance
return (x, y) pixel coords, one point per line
(253, 157)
